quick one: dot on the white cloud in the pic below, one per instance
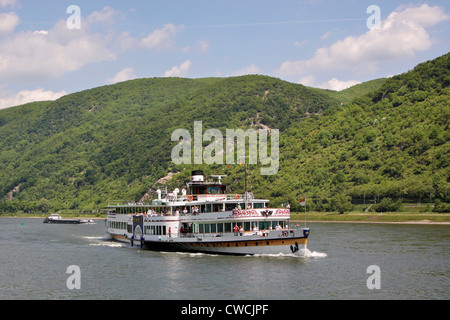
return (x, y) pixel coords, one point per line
(203, 46)
(161, 38)
(325, 36)
(307, 80)
(25, 96)
(401, 35)
(251, 69)
(8, 22)
(123, 75)
(49, 54)
(125, 42)
(106, 16)
(179, 71)
(300, 43)
(8, 3)
(337, 85)
(44, 32)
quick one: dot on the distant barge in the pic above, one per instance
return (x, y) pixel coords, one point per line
(56, 218)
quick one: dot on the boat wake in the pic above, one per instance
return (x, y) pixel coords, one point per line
(301, 253)
(104, 241)
(104, 237)
(308, 254)
(111, 244)
(192, 254)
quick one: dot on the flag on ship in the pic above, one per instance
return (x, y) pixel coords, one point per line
(303, 202)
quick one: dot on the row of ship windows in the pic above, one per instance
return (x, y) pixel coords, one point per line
(206, 227)
(246, 226)
(155, 230)
(117, 225)
(213, 207)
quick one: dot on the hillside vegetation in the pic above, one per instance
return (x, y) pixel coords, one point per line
(389, 139)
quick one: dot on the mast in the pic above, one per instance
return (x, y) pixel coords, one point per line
(246, 199)
(245, 173)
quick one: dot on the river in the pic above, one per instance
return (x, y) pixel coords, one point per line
(342, 261)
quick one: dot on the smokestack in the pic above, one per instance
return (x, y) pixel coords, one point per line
(197, 176)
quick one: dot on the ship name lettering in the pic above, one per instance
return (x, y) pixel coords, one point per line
(284, 233)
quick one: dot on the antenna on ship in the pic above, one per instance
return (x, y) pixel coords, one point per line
(219, 177)
(245, 195)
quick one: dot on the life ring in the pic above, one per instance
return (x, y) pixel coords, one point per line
(237, 197)
(190, 197)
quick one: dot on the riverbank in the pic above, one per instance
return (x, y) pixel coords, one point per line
(45, 215)
(352, 217)
(385, 217)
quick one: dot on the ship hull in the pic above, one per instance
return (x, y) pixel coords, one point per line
(244, 245)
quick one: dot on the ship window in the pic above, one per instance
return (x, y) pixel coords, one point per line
(213, 190)
(227, 227)
(200, 229)
(264, 225)
(247, 226)
(230, 206)
(206, 228)
(219, 227)
(213, 227)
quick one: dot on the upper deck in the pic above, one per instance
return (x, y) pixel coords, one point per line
(200, 197)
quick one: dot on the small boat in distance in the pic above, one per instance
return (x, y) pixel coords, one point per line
(56, 218)
(205, 218)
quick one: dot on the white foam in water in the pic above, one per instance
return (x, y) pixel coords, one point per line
(111, 244)
(106, 237)
(308, 254)
(302, 253)
(105, 241)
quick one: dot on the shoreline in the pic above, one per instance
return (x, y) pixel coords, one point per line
(423, 218)
(421, 222)
(37, 217)
(295, 220)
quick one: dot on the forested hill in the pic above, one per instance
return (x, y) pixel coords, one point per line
(114, 142)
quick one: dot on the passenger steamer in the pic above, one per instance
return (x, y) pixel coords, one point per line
(205, 218)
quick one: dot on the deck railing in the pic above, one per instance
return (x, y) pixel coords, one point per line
(186, 198)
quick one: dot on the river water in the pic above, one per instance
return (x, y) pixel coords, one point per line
(412, 261)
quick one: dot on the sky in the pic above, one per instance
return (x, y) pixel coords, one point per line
(55, 47)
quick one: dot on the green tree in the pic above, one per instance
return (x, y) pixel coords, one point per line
(341, 203)
(388, 205)
(43, 205)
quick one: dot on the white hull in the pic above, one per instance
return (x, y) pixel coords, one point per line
(279, 241)
(208, 220)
